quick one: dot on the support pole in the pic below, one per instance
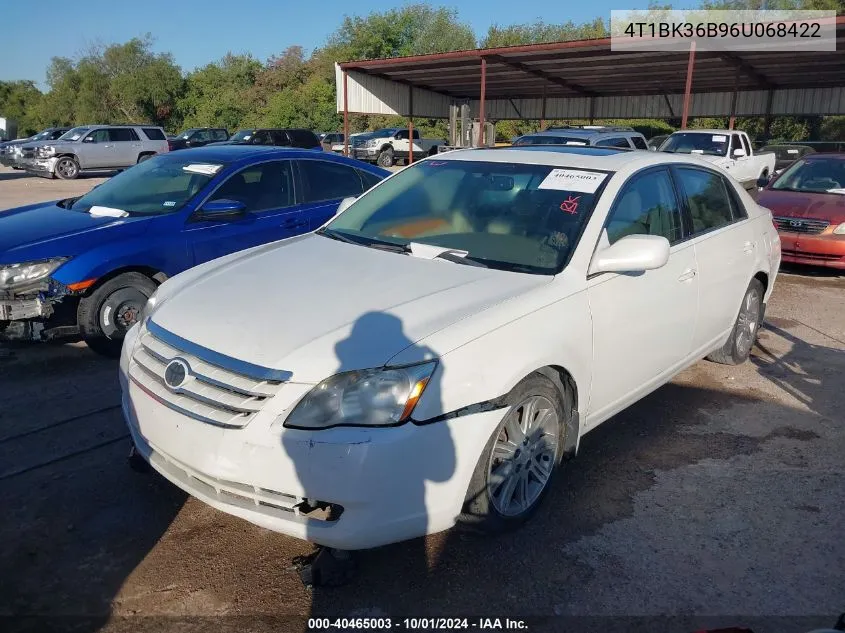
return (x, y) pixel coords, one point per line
(767, 122)
(592, 110)
(543, 110)
(688, 87)
(410, 124)
(481, 105)
(732, 120)
(345, 116)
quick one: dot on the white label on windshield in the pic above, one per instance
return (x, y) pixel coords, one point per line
(169, 203)
(573, 180)
(719, 138)
(575, 143)
(837, 190)
(696, 151)
(247, 137)
(107, 212)
(202, 168)
(792, 151)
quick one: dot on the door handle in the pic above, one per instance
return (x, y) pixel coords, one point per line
(687, 275)
(293, 224)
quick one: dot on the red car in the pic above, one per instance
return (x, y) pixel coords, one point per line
(808, 204)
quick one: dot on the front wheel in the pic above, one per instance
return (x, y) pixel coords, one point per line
(67, 168)
(106, 314)
(519, 461)
(737, 348)
(385, 159)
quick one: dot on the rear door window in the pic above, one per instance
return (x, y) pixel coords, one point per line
(639, 142)
(219, 135)
(322, 180)
(616, 141)
(303, 138)
(122, 134)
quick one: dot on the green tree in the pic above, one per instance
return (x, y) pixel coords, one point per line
(540, 32)
(19, 100)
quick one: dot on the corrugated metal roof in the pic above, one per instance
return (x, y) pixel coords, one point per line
(575, 76)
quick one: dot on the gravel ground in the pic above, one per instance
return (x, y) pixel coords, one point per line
(718, 499)
(18, 188)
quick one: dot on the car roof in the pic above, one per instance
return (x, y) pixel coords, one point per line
(708, 131)
(236, 153)
(601, 158)
(581, 132)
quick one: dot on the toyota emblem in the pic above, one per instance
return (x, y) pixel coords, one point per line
(176, 373)
(795, 223)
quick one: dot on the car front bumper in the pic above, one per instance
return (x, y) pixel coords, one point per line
(365, 153)
(826, 249)
(40, 166)
(23, 309)
(383, 485)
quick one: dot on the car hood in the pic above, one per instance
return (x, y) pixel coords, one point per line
(799, 204)
(314, 306)
(41, 231)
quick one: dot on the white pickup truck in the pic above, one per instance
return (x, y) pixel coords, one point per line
(727, 148)
(386, 146)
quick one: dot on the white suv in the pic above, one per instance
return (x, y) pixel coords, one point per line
(91, 148)
(435, 351)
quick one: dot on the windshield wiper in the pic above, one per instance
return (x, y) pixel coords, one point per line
(466, 260)
(67, 203)
(370, 242)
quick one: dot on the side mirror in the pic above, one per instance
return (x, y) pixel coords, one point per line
(762, 181)
(739, 152)
(222, 209)
(631, 254)
(89, 139)
(344, 205)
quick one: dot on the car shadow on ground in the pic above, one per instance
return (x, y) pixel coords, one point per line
(806, 270)
(13, 175)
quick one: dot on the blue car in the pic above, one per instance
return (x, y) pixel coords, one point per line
(92, 261)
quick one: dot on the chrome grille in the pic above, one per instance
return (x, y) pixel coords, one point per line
(220, 391)
(808, 226)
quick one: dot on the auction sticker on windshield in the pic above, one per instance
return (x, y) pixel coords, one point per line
(573, 180)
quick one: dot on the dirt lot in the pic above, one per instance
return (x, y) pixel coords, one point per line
(721, 494)
(17, 188)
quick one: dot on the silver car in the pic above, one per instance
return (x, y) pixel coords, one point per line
(92, 148)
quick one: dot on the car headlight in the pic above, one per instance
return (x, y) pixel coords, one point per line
(840, 230)
(370, 397)
(47, 150)
(371, 143)
(16, 275)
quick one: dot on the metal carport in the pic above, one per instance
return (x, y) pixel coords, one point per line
(586, 79)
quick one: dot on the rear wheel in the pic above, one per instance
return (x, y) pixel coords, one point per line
(519, 461)
(67, 168)
(106, 314)
(144, 157)
(737, 348)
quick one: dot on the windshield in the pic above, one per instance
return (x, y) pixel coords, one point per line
(696, 143)
(160, 185)
(46, 134)
(242, 135)
(820, 175)
(186, 133)
(74, 134)
(525, 218)
(550, 140)
(386, 131)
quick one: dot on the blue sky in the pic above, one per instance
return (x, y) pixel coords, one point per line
(197, 32)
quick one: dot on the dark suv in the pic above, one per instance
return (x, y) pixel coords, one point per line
(197, 137)
(280, 137)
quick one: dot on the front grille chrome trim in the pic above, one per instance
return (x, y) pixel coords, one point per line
(805, 226)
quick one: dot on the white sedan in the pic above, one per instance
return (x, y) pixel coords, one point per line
(432, 354)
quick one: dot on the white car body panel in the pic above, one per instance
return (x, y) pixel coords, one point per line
(295, 306)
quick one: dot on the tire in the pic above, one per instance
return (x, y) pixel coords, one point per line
(67, 168)
(737, 348)
(106, 314)
(385, 159)
(144, 157)
(486, 508)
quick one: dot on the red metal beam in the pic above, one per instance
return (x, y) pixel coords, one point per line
(481, 105)
(410, 124)
(688, 87)
(345, 114)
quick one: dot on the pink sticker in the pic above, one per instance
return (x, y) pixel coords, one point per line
(570, 205)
